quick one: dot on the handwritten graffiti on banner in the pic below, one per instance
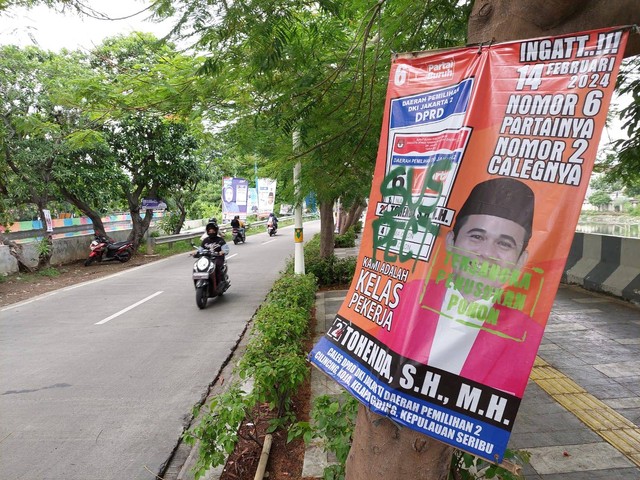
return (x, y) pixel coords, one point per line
(483, 162)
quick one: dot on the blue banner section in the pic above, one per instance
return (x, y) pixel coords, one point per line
(431, 107)
(466, 432)
(424, 160)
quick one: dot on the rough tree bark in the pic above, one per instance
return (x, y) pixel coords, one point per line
(380, 450)
(139, 226)
(96, 220)
(15, 250)
(352, 216)
(399, 453)
(326, 232)
(504, 20)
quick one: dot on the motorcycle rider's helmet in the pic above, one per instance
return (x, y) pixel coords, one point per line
(213, 220)
(211, 226)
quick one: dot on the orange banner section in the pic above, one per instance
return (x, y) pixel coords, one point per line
(484, 161)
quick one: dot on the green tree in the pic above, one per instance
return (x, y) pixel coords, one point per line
(319, 71)
(622, 164)
(156, 157)
(144, 96)
(35, 128)
(599, 199)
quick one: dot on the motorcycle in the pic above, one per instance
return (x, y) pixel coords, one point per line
(204, 274)
(104, 250)
(272, 228)
(238, 235)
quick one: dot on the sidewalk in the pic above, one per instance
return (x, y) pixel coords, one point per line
(580, 415)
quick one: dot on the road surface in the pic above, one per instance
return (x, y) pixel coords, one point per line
(98, 380)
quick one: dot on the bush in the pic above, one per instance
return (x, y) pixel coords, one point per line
(170, 223)
(292, 290)
(276, 362)
(332, 271)
(329, 271)
(346, 240)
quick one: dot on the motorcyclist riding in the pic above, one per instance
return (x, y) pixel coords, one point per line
(214, 240)
(212, 220)
(273, 219)
(239, 224)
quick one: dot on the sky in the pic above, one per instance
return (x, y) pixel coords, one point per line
(53, 31)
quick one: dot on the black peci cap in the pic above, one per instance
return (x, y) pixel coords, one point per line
(504, 198)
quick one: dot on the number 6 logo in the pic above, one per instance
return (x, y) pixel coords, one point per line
(401, 75)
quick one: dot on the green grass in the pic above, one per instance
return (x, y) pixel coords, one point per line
(30, 277)
(167, 250)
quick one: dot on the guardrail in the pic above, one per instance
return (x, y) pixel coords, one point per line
(171, 239)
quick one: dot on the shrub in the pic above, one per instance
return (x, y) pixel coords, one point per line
(170, 223)
(292, 290)
(282, 326)
(274, 360)
(329, 271)
(346, 240)
(332, 270)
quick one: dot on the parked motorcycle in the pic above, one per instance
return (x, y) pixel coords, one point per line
(238, 235)
(104, 250)
(272, 228)
(204, 274)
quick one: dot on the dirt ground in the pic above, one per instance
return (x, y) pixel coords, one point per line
(285, 459)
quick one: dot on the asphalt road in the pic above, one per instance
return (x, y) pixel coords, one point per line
(97, 381)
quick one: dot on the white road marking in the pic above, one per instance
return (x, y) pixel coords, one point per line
(128, 308)
(269, 241)
(27, 302)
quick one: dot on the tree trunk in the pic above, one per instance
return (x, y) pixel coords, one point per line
(504, 20)
(96, 220)
(352, 216)
(183, 215)
(139, 226)
(326, 229)
(15, 250)
(381, 450)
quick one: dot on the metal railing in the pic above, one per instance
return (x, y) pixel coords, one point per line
(171, 239)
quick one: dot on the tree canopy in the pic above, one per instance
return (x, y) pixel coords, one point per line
(257, 74)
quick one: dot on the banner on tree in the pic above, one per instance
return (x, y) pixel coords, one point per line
(484, 160)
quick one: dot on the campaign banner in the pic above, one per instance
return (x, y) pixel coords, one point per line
(235, 197)
(266, 195)
(484, 160)
(47, 220)
(153, 204)
(252, 207)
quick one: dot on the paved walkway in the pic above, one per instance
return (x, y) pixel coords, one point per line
(580, 415)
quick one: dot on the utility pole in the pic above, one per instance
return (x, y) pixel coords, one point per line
(298, 237)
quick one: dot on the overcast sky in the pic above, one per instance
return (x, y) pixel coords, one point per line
(54, 31)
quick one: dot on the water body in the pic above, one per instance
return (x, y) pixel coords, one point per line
(616, 230)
